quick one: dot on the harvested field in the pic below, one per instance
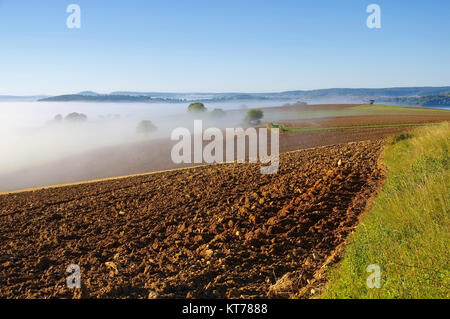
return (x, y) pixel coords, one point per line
(211, 231)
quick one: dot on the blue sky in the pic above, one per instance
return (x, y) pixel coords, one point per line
(221, 45)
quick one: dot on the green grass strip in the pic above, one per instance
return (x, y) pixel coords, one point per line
(406, 232)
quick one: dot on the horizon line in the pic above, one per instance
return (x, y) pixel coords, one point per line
(228, 92)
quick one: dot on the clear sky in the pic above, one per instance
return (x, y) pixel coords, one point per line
(221, 45)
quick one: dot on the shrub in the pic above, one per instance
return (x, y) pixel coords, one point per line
(196, 107)
(76, 117)
(145, 127)
(281, 127)
(401, 137)
(218, 113)
(254, 116)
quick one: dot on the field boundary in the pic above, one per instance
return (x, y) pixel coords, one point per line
(367, 196)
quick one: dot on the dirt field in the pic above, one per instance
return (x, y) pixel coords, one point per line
(212, 231)
(366, 120)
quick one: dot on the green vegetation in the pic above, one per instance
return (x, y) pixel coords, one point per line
(281, 127)
(196, 108)
(407, 230)
(254, 116)
(146, 127)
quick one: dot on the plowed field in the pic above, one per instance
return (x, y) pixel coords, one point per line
(211, 231)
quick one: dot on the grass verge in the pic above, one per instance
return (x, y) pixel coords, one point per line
(406, 232)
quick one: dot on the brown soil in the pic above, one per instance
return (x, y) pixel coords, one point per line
(310, 107)
(367, 120)
(211, 231)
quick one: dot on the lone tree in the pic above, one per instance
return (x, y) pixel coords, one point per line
(58, 118)
(254, 116)
(76, 117)
(146, 127)
(196, 108)
(218, 113)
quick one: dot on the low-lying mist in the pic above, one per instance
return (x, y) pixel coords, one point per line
(30, 135)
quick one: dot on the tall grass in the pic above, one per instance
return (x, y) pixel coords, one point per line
(407, 230)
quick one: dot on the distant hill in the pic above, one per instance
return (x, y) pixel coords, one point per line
(88, 93)
(148, 99)
(14, 98)
(385, 92)
(432, 100)
(340, 94)
(104, 98)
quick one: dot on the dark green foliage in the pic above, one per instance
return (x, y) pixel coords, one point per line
(401, 137)
(281, 127)
(196, 107)
(254, 116)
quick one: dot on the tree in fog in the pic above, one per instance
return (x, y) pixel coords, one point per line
(254, 117)
(146, 127)
(76, 117)
(218, 113)
(58, 118)
(196, 108)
